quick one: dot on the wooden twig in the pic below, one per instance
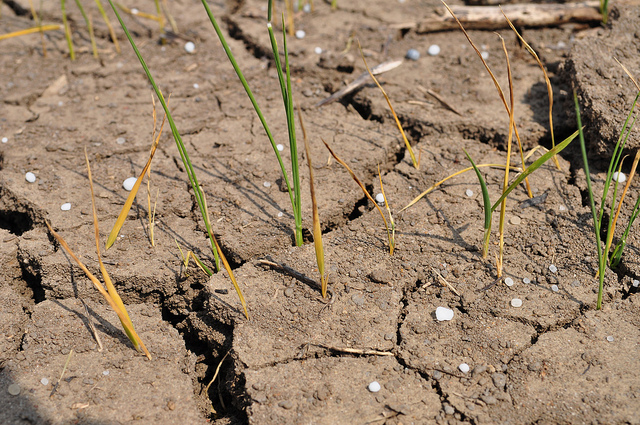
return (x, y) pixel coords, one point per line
(444, 281)
(363, 352)
(524, 15)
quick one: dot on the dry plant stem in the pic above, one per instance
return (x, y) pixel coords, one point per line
(415, 162)
(67, 30)
(444, 281)
(30, 31)
(317, 230)
(635, 82)
(624, 193)
(106, 20)
(363, 352)
(94, 331)
(215, 375)
(505, 185)
(291, 29)
(138, 13)
(364, 190)
(500, 92)
(64, 369)
(38, 22)
(547, 81)
(457, 173)
(111, 290)
(87, 20)
(386, 204)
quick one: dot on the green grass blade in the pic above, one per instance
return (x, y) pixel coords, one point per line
(616, 255)
(544, 158)
(596, 224)
(176, 135)
(89, 24)
(67, 30)
(487, 206)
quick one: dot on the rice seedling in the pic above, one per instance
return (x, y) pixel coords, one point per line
(67, 30)
(189, 256)
(107, 21)
(38, 21)
(284, 77)
(416, 162)
(87, 20)
(368, 195)
(184, 155)
(317, 230)
(110, 293)
(615, 166)
(604, 11)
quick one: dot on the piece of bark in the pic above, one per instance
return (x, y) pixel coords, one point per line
(524, 15)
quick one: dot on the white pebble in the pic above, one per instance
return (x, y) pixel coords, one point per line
(128, 183)
(464, 368)
(189, 47)
(266, 184)
(636, 283)
(30, 177)
(66, 206)
(526, 280)
(280, 214)
(134, 11)
(380, 198)
(5, 139)
(508, 281)
(413, 54)
(306, 8)
(105, 372)
(469, 193)
(516, 302)
(555, 288)
(121, 140)
(300, 34)
(60, 103)
(553, 269)
(562, 208)
(433, 50)
(485, 55)
(280, 147)
(619, 177)
(610, 338)
(444, 313)
(196, 85)
(374, 387)
(318, 50)
(44, 381)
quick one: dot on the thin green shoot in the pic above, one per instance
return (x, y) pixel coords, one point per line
(67, 30)
(334, 4)
(193, 180)
(107, 21)
(87, 20)
(416, 162)
(186, 258)
(487, 206)
(367, 194)
(596, 222)
(317, 230)
(295, 202)
(624, 193)
(616, 255)
(38, 22)
(604, 11)
(546, 79)
(392, 243)
(161, 18)
(498, 88)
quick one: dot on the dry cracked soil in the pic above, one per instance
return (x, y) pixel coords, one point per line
(302, 359)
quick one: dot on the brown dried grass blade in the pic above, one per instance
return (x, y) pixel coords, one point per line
(132, 195)
(364, 190)
(415, 162)
(317, 230)
(624, 194)
(392, 246)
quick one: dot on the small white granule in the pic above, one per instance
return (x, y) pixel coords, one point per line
(374, 387)
(30, 177)
(189, 47)
(129, 183)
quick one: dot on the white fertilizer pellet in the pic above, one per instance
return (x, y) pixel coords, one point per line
(318, 50)
(128, 183)
(508, 281)
(413, 54)
(469, 193)
(66, 206)
(189, 47)
(280, 214)
(636, 283)
(30, 177)
(44, 381)
(380, 198)
(121, 140)
(266, 184)
(196, 85)
(562, 208)
(443, 314)
(60, 103)
(433, 50)
(516, 302)
(526, 280)
(134, 11)
(619, 177)
(280, 147)
(553, 269)
(555, 288)
(610, 338)
(464, 368)
(105, 372)
(485, 55)
(300, 34)
(5, 139)
(374, 387)
(306, 8)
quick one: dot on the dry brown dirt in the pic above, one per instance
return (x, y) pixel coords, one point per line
(300, 358)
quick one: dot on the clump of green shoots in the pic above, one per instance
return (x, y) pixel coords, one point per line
(284, 77)
(615, 166)
(193, 180)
